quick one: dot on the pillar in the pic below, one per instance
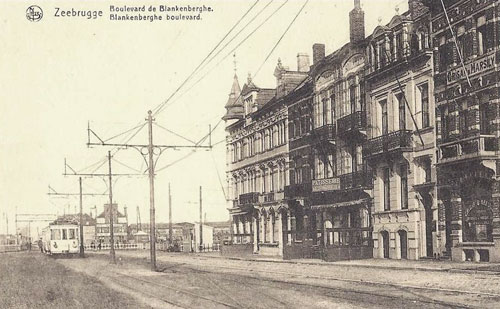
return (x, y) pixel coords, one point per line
(255, 223)
(289, 225)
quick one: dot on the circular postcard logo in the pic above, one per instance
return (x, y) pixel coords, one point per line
(34, 13)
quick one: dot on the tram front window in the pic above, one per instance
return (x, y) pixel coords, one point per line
(64, 234)
(55, 234)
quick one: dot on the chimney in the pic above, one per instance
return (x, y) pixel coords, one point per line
(357, 23)
(318, 52)
(303, 62)
(125, 213)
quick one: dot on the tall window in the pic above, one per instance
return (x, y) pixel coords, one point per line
(354, 157)
(484, 119)
(399, 45)
(404, 186)
(402, 111)
(485, 34)
(385, 117)
(324, 102)
(332, 106)
(461, 40)
(387, 189)
(424, 99)
(352, 97)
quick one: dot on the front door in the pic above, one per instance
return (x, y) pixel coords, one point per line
(385, 243)
(428, 226)
(403, 239)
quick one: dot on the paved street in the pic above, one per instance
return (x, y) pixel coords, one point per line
(194, 281)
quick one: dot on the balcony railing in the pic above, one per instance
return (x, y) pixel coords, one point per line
(248, 198)
(272, 196)
(298, 190)
(353, 122)
(324, 134)
(468, 148)
(388, 142)
(359, 179)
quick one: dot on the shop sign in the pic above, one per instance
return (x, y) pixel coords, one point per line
(328, 184)
(472, 68)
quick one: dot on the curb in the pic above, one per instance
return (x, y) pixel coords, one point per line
(428, 269)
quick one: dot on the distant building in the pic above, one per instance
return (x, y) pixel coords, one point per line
(120, 225)
(221, 231)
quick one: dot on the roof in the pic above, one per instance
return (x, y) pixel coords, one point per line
(87, 219)
(220, 224)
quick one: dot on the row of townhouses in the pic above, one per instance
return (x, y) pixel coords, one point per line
(386, 148)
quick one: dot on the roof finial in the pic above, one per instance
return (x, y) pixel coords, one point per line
(397, 9)
(379, 20)
(249, 78)
(357, 4)
(234, 63)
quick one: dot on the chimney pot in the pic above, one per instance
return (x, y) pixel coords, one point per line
(303, 62)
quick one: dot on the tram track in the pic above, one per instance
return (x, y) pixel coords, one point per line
(338, 291)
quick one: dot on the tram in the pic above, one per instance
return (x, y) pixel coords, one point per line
(61, 238)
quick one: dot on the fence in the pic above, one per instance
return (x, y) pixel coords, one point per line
(145, 246)
(11, 248)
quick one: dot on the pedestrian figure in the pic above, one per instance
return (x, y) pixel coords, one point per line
(99, 246)
(40, 245)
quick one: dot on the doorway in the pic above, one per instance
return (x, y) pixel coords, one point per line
(385, 243)
(403, 244)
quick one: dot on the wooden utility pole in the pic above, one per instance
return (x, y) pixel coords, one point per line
(82, 253)
(170, 229)
(152, 229)
(201, 222)
(139, 227)
(111, 230)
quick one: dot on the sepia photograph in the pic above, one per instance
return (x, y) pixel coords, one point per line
(249, 154)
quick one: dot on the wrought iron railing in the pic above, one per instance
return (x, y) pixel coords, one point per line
(248, 198)
(359, 179)
(388, 142)
(324, 133)
(354, 121)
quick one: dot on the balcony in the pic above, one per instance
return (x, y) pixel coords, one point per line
(270, 197)
(298, 190)
(353, 123)
(394, 141)
(356, 180)
(469, 148)
(299, 142)
(324, 134)
(248, 198)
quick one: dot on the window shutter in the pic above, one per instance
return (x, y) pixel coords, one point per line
(489, 37)
(469, 45)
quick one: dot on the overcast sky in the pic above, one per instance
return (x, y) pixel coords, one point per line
(58, 74)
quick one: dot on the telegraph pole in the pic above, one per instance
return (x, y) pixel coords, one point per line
(201, 222)
(111, 230)
(170, 229)
(151, 194)
(82, 253)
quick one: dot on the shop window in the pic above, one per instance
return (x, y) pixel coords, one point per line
(478, 225)
(484, 255)
(469, 255)
(402, 111)
(484, 118)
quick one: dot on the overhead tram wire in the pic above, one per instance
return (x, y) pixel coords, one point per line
(237, 34)
(265, 60)
(172, 132)
(162, 106)
(233, 50)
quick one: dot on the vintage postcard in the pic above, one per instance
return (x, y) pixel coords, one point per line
(250, 154)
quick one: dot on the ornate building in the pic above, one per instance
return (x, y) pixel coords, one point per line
(468, 122)
(341, 186)
(257, 160)
(401, 147)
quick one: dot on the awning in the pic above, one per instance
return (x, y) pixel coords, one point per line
(342, 204)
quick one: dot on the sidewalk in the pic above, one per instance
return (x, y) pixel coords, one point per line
(422, 265)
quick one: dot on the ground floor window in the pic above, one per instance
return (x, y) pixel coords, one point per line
(478, 225)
